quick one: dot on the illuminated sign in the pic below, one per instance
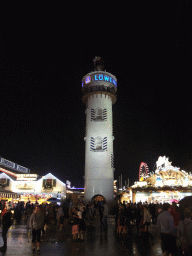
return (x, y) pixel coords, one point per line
(25, 185)
(22, 169)
(26, 176)
(14, 166)
(101, 77)
(87, 80)
(7, 163)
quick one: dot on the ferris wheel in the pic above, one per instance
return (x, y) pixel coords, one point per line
(143, 171)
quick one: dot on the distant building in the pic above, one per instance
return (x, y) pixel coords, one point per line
(18, 180)
(166, 184)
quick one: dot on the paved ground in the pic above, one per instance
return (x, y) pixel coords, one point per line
(98, 242)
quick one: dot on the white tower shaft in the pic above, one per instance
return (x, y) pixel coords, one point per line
(99, 171)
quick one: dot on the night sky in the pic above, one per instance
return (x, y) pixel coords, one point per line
(46, 50)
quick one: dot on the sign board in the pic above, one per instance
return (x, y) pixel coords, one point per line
(13, 166)
(26, 176)
(99, 78)
(25, 186)
(7, 163)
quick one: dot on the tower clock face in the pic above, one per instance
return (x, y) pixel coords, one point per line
(87, 80)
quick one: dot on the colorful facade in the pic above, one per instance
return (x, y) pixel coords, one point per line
(166, 184)
(30, 185)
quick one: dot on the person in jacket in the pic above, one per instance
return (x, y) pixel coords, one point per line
(184, 232)
(6, 224)
(174, 211)
(105, 215)
(146, 219)
(36, 223)
(75, 223)
(121, 220)
(81, 223)
(166, 223)
(60, 217)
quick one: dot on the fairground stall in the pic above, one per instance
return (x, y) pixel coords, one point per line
(25, 186)
(166, 184)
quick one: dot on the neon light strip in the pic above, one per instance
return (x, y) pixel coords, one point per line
(76, 188)
(8, 172)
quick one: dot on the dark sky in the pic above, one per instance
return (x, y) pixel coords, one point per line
(46, 50)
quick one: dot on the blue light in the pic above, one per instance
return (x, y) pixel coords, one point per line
(105, 78)
(101, 77)
(77, 188)
(87, 79)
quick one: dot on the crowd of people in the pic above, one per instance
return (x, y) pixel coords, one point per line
(175, 224)
(40, 218)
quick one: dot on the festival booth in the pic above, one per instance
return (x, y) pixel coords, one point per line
(32, 187)
(166, 184)
(50, 186)
(22, 185)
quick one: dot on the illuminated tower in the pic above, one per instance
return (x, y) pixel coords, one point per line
(99, 93)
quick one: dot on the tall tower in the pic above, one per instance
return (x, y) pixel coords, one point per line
(99, 93)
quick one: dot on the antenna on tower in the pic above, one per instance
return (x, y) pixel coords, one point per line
(98, 63)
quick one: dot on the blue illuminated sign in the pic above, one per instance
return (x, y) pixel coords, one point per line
(105, 78)
(87, 79)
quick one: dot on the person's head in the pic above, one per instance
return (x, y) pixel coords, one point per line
(37, 208)
(187, 213)
(121, 207)
(166, 206)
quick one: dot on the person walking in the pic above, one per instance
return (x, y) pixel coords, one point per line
(105, 215)
(101, 213)
(174, 211)
(166, 223)
(184, 232)
(75, 224)
(36, 223)
(80, 234)
(60, 217)
(146, 219)
(6, 224)
(120, 221)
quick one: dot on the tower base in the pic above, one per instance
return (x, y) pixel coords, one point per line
(102, 188)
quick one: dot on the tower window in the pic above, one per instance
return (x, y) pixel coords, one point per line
(99, 114)
(98, 144)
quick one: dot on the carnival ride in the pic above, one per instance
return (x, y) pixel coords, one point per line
(143, 171)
